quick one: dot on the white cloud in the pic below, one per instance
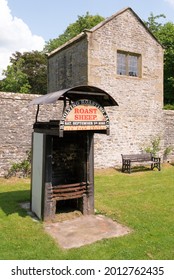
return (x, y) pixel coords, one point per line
(171, 2)
(15, 35)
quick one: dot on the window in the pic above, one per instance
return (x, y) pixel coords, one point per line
(128, 64)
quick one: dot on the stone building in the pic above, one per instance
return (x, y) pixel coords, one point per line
(121, 56)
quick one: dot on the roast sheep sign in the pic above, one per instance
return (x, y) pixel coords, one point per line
(84, 114)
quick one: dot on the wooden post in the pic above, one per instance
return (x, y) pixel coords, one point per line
(90, 172)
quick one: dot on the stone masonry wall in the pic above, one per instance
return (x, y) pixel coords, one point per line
(15, 129)
(61, 68)
(16, 122)
(140, 99)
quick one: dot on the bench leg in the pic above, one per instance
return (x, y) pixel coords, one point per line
(123, 167)
(156, 164)
(129, 166)
(126, 166)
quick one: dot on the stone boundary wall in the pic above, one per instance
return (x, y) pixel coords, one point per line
(16, 122)
(15, 128)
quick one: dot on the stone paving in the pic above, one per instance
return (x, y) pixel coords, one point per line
(73, 230)
(84, 230)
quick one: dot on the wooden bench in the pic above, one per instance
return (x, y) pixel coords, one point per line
(141, 159)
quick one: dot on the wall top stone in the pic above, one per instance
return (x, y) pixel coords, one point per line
(17, 96)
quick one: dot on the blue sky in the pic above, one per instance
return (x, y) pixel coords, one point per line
(50, 18)
(25, 25)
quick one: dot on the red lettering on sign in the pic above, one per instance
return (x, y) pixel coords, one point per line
(85, 117)
(85, 111)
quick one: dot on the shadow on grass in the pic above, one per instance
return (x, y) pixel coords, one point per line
(135, 169)
(10, 202)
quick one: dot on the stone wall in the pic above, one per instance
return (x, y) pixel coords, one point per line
(61, 68)
(15, 128)
(140, 99)
(16, 122)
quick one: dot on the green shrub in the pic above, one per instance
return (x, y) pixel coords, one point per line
(169, 107)
(168, 150)
(23, 168)
(155, 146)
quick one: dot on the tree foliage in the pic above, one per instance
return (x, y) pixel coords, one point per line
(165, 34)
(86, 21)
(153, 24)
(27, 73)
(16, 80)
(166, 37)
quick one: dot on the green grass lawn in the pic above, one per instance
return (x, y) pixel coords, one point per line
(143, 201)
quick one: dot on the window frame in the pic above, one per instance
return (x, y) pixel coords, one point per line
(127, 66)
